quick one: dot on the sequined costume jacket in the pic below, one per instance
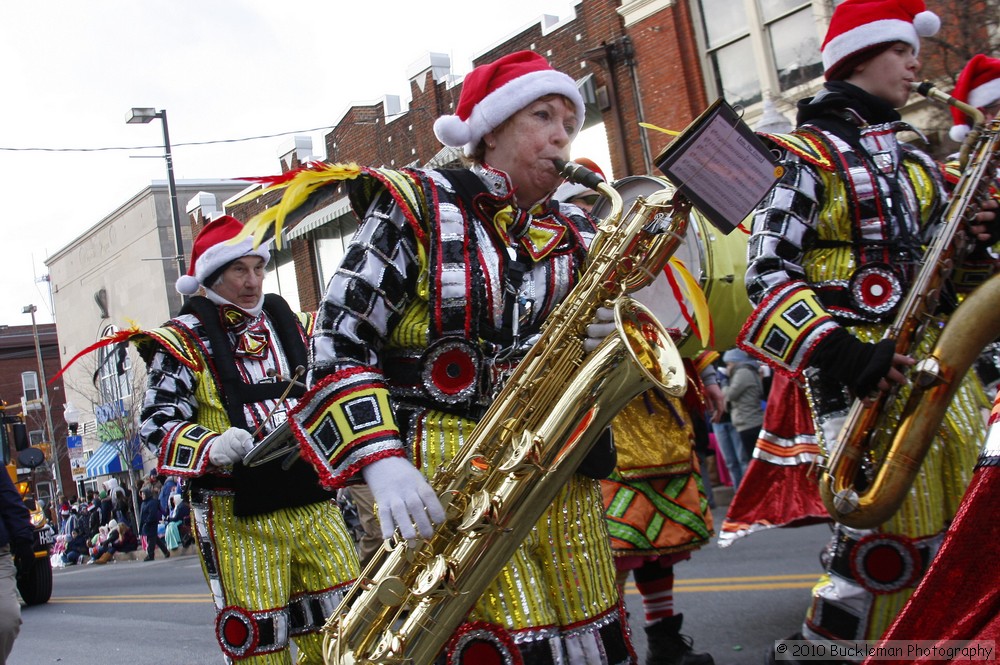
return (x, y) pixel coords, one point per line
(839, 239)
(198, 389)
(441, 287)
(837, 242)
(421, 311)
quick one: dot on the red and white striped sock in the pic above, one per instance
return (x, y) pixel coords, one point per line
(657, 598)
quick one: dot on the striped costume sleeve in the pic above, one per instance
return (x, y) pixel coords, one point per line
(168, 417)
(788, 320)
(345, 421)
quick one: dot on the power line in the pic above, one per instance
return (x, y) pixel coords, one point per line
(160, 147)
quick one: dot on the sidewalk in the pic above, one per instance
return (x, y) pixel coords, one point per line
(137, 555)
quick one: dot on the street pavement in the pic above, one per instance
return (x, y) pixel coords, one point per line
(736, 602)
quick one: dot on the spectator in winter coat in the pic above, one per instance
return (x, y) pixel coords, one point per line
(149, 522)
(170, 486)
(76, 548)
(121, 538)
(16, 554)
(743, 397)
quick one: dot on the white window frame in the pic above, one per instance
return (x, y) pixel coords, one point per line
(767, 72)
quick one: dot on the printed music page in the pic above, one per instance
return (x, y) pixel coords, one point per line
(720, 165)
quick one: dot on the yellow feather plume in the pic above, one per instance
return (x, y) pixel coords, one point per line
(696, 297)
(659, 129)
(298, 186)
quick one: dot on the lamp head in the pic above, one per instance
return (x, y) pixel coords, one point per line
(72, 416)
(140, 116)
(29, 309)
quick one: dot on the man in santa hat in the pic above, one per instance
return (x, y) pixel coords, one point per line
(979, 86)
(274, 547)
(835, 247)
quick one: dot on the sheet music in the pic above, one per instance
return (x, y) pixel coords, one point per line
(721, 166)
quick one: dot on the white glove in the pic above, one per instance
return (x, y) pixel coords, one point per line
(404, 497)
(598, 329)
(230, 446)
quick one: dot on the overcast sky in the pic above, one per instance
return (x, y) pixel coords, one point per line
(224, 70)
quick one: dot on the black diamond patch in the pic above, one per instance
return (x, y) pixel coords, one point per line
(363, 413)
(327, 436)
(184, 456)
(776, 342)
(798, 314)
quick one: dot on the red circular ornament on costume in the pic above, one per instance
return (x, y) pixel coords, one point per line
(481, 643)
(451, 370)
(237, 631)
(876, 289)
(885, 563)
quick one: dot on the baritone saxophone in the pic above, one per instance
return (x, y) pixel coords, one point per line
(935, 378)
(410, 599)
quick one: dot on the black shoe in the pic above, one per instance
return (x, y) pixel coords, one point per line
(666, 646)
(166, 555)
(148, 558)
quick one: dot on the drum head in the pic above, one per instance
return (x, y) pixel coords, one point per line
(658, 296)
(716, 261)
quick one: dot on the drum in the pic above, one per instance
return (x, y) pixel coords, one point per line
(717, 262)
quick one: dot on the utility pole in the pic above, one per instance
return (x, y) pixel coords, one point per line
(44, 390)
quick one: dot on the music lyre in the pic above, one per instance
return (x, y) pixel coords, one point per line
(299, 371)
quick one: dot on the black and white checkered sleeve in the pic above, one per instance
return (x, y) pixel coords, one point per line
(784, 225)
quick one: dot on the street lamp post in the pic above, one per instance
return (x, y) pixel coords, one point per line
(44, 389)
(74, 443)
(142, 116)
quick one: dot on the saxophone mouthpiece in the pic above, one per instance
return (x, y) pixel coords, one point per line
(921, 87)
(578, 173)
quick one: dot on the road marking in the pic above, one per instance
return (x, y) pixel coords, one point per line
(704, 584)
(136, 598)
(753, 583)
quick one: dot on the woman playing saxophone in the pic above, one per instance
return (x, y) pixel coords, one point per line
(445, 285)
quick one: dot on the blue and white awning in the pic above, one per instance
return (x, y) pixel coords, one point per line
(107, 460)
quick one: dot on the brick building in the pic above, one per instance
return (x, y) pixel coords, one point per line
(20, 378)
(636, 61)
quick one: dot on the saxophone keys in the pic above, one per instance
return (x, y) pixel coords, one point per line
(846, 501)
(480, 514)
(391, 591)
(927, 373)
(436, 579)
(387, 651)
(522, 455)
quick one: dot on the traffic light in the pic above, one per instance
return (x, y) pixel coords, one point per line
(21, 440)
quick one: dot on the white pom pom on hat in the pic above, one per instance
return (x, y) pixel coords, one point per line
(213, 249)
(858, 25)
(493, 92)
(978, 85)
(452, 130)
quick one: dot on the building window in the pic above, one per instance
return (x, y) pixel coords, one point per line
(779, 37)
(280, 277)
(331, 243)
(29, 386)
(114, 370)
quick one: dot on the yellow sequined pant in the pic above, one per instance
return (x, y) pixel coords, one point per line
(559, 587)
(273, 577)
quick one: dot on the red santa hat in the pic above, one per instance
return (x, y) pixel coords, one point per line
(978, 85)
(858, 27)
(213, 251)
(570, 190)
(493, 92)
